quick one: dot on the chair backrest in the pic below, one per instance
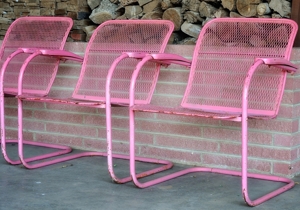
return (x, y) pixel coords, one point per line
(108, 41)
(33, 32)
(225, 50)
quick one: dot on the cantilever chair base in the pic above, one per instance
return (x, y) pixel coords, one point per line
(237, 73)
(26, 32)
(105, 49)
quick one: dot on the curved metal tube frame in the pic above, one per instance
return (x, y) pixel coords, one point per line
(166, 164)
(244, 171)
(4, 141)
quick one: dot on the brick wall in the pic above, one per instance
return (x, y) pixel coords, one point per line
(274, 145)
(78, 10)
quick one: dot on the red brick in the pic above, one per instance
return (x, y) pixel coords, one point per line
(71, 129)
(10, 101)
(63, 117)
(285, 169)
(221, 160)
(174, 74)
(181, 156)
(295, 154)
(96, 120)
(235, 163)
(28, 135)
(236, 135)
(33, 125)
(227, 148)
(292, 83)
(295, 111)
(145, 115)
(188, 119)
(289, 126)
(69, 82)
(269, 153)
(69, 108)
(140, 138)
(33, 105)
(186, 143)
(167, 101)
(59, 139)
(120, 111)
(76, 47)
(120, 123)
(288, 97)
(13, 135)
(179, 129)
(12, 112)
(71, 70)
(285, 140)
(118, 147)
(95, 144)
(187, 50)
(170, 89)
(286, 112)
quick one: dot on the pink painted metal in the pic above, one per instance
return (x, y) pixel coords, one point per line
(110, 57)
(30, 34)
(238, 72)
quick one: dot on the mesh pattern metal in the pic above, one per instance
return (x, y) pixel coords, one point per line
(107, 43)
(226, 50)
(33, 32)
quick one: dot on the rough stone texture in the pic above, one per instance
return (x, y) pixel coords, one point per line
(78, 10)
(94, 12)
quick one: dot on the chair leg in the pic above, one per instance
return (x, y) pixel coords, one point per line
(165, 164)
(62, 150)
(25, 162)
(4, 141)
(243, 174)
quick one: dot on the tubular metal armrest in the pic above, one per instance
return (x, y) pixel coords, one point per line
(167, 59)
(165, 164)
(161, 58)
(204, 77)
(61, 54)
(280, 63)
(62, 149)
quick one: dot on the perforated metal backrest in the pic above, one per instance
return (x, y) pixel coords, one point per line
(33, 32)
(108, 41)
(225, 50)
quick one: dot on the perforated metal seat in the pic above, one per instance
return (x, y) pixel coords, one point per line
(24, 36)
(238, 72)
(109, 61)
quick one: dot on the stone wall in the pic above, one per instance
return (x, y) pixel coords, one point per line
(78, 10)
(188, 15)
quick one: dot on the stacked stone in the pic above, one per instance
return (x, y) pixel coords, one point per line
(78, 10)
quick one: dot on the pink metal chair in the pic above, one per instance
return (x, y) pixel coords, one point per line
(238, 73)
(24, 33)
(111, 55)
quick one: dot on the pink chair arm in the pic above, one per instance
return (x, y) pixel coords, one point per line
(167, 59)
(137, 55)
(161, 58)
(61, 54)
(280, 63)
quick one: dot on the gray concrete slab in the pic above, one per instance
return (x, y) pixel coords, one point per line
(85, 184)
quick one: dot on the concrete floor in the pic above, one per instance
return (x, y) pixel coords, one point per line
(84, 184)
